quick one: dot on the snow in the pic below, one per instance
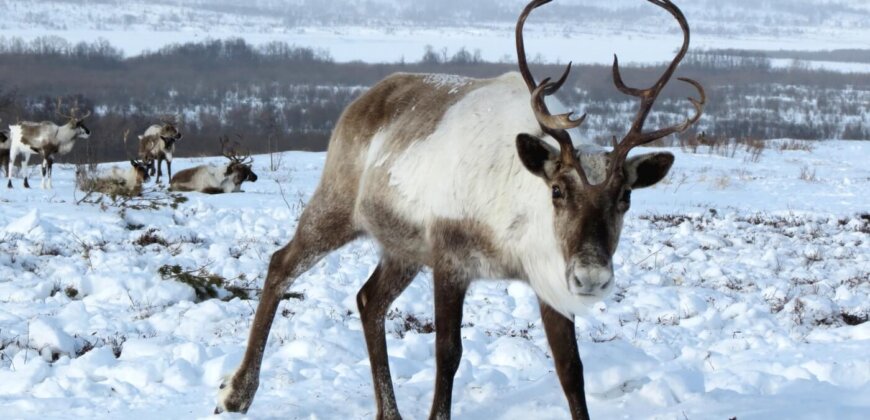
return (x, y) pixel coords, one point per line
(639, 34)
(733, 279)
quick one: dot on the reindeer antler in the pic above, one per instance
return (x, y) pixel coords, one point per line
(232, 153)
(73, 115)
(554, 125)
(171, 119)
(636, 136)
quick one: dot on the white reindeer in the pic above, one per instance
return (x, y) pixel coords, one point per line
(124, 181)
(47, 139)
(216, 179)
(464, 176)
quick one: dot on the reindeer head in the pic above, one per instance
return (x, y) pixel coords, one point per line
(141, 169)
(169, 130)
(591, 193)
(75, 121)
(239, 167)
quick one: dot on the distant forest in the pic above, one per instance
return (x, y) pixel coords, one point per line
(278, 97)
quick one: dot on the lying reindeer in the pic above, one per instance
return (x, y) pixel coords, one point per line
(216, 179)
(46, 138)
(116, 180)
(119, 181)
(158, 143)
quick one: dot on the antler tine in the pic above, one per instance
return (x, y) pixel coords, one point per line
(698, 104)
(126, 134)
(521, 46)
(245, 157)
(58, 108)
(224, 140)
(554, 125)
(556, 122)
(635, 136)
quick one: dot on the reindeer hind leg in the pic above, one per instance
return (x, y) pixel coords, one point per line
(386, 283)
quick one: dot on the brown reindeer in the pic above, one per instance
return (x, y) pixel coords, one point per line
(474, 178)
(157, 144)
(5, 145)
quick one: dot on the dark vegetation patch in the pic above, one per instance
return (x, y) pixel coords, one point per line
(206, 285)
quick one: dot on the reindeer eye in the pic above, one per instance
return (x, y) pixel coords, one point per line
(557, 192)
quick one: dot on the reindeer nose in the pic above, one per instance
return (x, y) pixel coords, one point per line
(590, 280)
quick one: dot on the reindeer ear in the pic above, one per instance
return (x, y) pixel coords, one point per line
(538, 157)
(133, 162)
(647, 170)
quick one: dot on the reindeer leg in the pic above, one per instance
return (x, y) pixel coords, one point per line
(168, 169)
(569, 368)
(9, 166)
(24, 170)
(389, 279)
(159, 172)
(49, 169)
(450, 291)
(325, 225)
(44, 172)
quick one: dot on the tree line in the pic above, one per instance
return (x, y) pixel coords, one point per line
(280, 97)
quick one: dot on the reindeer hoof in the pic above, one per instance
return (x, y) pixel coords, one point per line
(234, 400)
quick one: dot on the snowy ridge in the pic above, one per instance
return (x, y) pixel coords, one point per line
(737, 284)
(389, 31)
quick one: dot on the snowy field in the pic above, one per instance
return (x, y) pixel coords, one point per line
(738, 282)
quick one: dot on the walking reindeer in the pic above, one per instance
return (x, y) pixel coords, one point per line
(474, 178)
(47, 139)
(158, 144)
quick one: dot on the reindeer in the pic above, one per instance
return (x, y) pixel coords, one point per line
(5, 145)
(158, 143)
(47, 139)
(127, 181)
(216, 179)
(464, 176)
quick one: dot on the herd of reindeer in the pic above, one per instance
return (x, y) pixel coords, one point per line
(474, 178)
(156, 145)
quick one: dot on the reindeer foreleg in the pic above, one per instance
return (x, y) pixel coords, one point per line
(569, 368)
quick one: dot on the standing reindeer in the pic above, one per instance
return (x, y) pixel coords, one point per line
(47, 139)
(474, 178)
(216, 179)
(5, 145)
(158, 144)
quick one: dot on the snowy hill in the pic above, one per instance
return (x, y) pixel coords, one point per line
(742, 291)
(388, 30)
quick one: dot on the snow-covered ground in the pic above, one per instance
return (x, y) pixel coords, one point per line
(737, 282)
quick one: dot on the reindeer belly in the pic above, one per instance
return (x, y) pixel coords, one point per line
(396, 233)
